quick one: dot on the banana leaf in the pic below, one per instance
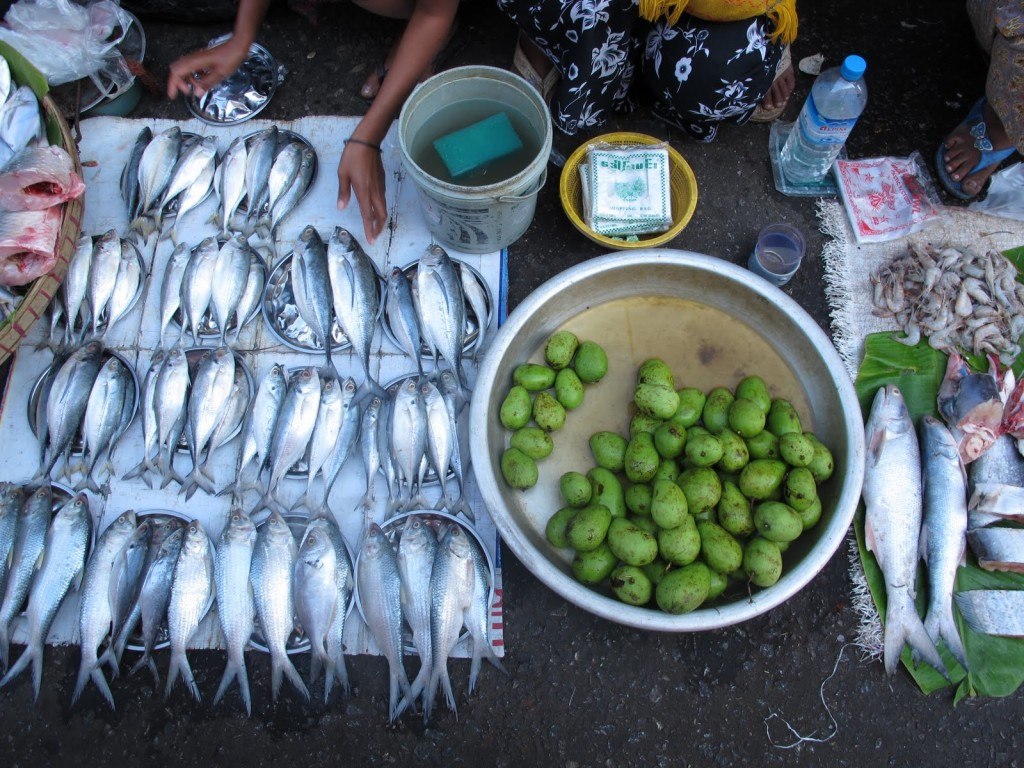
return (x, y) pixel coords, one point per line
(996, 663)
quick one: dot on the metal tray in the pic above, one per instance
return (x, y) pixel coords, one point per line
(472, 321)
(242, 95)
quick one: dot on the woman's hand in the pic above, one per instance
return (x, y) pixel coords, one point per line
(362, 172)
(200, 70)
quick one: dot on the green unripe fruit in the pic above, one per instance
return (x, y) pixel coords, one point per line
(822, 465)
(641, 422)
(669, 439)
(762, 562)
(782, 418)
(691, 405)
(560, 348)
(654, 400)
(533, 377)
(763, 445)
(702, 448)
(684, 589)
(588, 527)
(644, 524)
(655, 371)
(607, 490)
(734, 452)
(798, 490)
(734, 511)
(608, 449)
(746, 418)
(668, 504)
(641, 460)
(720, 551)
(595, 566)
(568, 389)
(796, 450)
(656, 571)
(718, 584)
(515, 408)
(630, 543)
(518, 469)
(810, 516)
(680, 545)
(534, 442)
(716, 410)
(575, 489)
(761, 478)
(776, 521)
(668, 469)
(548, 412)
(631, 585)
(702, 489)
(638, 499)
(591, 362)
(755, 390)
(558, 525)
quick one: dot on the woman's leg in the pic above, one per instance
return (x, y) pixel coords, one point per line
(703, 73)
(593, 49)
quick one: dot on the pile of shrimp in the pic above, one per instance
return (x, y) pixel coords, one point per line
(958, 299)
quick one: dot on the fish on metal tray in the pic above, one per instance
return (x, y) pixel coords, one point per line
(404, 320)
(26, 554)
(315, 582)
(104, 416)
(328, 423)
(345, 580)
(171, 405)
(130, 567)
(207, 403)
(12, 499)
(106, 261)
(230, 276)
(311, 287)
(442, 307)
(343, 445)
(192, 588)
(229, 182)
(236, 607)
(478, 618)
(154, 597)
(154, 172)
(261, 418)
(417, 548)
(129, 183)
(197, 285)
(293, 428)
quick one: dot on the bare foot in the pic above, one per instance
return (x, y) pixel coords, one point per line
(962, 156)
(371, 86)
(781, 90)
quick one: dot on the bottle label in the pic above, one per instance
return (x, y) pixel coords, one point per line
(821, 131)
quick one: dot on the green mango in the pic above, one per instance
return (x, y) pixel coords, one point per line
(558, 525)
(656, 571)
(519, 470)
(588, 528)
(680, 545)
(761, 478)
(516, 408)
(533, 377)
(798, 490)
(668, 469)
(668, 504)
(644, 523)
(719, 549)
(638, 499)
(754, 389)
(762, 561)
(608, 449)
(631, 543)
(718, 585)
(702, 489)
(822, 465)
(691, 405)
(684, 589)
(702, 448)
(796, 449)
(575, 489)
(746, 418)
(782, 418)
(716, 409)
(548, 412)
(631, 585)
(655, 371)
(569, 389)
(763, 445)
(776, 521)
(810, 516)
(533, 441)
(590, 363)
(560, 348)
(669, 439)
(607, 491)
(734, 511)
(734, 452)
(654, 400)
(641, 460)
(594, 566)
(641, 422)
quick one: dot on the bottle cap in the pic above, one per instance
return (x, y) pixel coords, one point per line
(853, 68)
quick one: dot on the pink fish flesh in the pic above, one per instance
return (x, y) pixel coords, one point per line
(28, 242)
(971, 406)
(37, 178)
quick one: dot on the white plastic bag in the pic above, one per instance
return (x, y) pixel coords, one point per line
(1005, 194)
(66, 41)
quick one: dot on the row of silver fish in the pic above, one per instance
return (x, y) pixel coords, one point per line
(958, 299)
(89, 395)
(437, 584)
(211, 288)
(103, 283)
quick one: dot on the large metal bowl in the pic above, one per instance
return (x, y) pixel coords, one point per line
(713, 322)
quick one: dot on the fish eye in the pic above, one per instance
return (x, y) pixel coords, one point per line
(235, 518)
(192, 529)
(311, 538)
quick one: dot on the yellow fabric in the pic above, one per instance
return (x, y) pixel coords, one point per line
(781, 12)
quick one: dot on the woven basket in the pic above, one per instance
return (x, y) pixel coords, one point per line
(681, 180)
(42, 290)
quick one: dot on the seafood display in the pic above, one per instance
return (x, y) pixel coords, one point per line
(958, 299)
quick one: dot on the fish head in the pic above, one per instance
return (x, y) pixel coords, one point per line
(343, 238)
(77, 506)
(317, 550)
(276, 526)
(308, 235)
(91, 349)
(433, 255)
(374, 543)
(240, 527)
(456, 540)
(222, 354)
(416, 534)
(349, 388)
(157, 360)
(42, 495)
(107, 238)
(195, 540)
(11, 494)
(140, 537)
(125, 521)
(171, 544)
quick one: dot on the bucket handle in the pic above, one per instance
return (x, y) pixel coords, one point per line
(526, 195)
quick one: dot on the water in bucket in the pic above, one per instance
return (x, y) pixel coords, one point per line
(460, 114)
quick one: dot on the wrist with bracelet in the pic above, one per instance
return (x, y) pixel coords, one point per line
(369, 144)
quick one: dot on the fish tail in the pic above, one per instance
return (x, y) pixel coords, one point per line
(235, 670)
(394, 709)
(431, 695)
(92, 671)
(112, 657)
(293, 677)
(336, 669)
(138, 470)
(463, 506)
(5, 645)
(903, 626)
(179, 665)
(148, 662)
(939, 623)
(419, 683)
(482, 650)
(28, 655)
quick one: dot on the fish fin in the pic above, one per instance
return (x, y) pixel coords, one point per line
(235, 670)
(112, 658)
(179, 665)
(482, 650)
(869, 538)
(922, 543)
(91, 670)
(146, 661)
(338, 669)
(5, 646)
(940, 624)
(463, 506)
(419, 683)
(294, 678)
(138, 470)
(20, 665)
(904, 627)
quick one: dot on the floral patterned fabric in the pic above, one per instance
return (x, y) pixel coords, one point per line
(700, 73)
(999, 26)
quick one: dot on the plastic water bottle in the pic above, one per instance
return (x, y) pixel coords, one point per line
(836, 101)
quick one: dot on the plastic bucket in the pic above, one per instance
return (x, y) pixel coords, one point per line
(485, 218)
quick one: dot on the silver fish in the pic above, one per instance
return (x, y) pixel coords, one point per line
(125, 582)
(42, 403)
(416, 551)
(69, 396)
(970, 403)
(250, 298)
(993, 611)
(892, 494)
(408, 440)
(290, 198)
(311, 287)
(442, 307)
(262, 418)
(236, 608)
(126, 285)
(282, 175)
(257, 169)
(234, 412)
(998, 549)
(75, 288)
(155, 168)
(451, 595)
(345, 442)
(355, 292)
(405, 322)
(172, 288)
(476, 296)
(230, 275)
(273, 564)
(211, 390)
(106, 261)
(67, 542)
(385, 420)
(20, 123)
(95, 615)
(943, 530)
(12, 499)
(231, 182)
(325, 430)
(6, 87)
(154, 597)
(26, 554)
(294, 426)
(370, 446)
(150, 428)
(315, 584)
(103, 416)
(171, 406)
(130, 173)
(191, 597)
(380, 595)
(191, 177)
(478, 618)
(192, 197)
(452, 394)
(440, 437)
(345, 581)
(197, 284)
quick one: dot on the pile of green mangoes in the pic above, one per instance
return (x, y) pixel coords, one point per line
(718, 486)
(570, 365)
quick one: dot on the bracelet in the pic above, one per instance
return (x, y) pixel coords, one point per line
(369, 144)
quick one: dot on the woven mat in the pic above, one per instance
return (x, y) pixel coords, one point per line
(848, 266)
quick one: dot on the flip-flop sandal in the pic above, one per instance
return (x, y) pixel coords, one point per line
(380, 72)
(761, 113)
(522, 67)
(989, 154)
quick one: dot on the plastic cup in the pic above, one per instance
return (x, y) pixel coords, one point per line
(777, 255)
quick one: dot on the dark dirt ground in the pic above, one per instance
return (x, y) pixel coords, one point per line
(583, 691)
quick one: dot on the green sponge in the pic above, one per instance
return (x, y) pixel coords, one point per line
(467, 149)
